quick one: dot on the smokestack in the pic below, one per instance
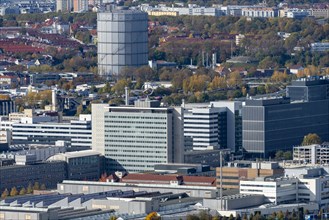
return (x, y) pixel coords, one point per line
(54, 100)
(127, 95)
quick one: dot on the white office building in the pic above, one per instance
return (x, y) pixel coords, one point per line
(300, 184)
(260, 12)
(205, 128)
(134, 138)
(214, 125)
(77, 132)
(313, 184)
(281, 190)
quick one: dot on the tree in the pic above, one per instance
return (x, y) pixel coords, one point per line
(36, 186)
(13, 191)
(280, 215)
(119, 87)
(216, 217)
(103, 177)
(279, 76)
(218, 82)
(192, 217)
(204, 215)
(5, 194)
(22, 191)
(287, 155)
(311, 139)
(29, 189)
(79, 110)
(234, 79)
(43, 187)
(152, 216)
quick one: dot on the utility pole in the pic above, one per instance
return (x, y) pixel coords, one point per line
(221, 178)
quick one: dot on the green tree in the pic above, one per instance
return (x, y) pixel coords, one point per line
(22, 191)
(192, 217)
(311, 139)
(36, 186)
(5, 194)
(13, 191)
(29, 189)
(280, 215)
(287, 155)
(119, 87)
(43, 187)
(204, 215)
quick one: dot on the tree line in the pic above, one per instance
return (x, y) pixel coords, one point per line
(22, 191)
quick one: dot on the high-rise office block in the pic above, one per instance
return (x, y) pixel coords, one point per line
(134, 138)
(234, 123)
(279, 124)
(205, 128)
(217, 125)
(122, 40)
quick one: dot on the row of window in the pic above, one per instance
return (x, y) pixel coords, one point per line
(137, 122)
(141, 132)
(129, 136)
(135, 151)
(134, 117)
(108, 146)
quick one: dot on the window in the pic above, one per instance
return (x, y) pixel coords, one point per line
(28, 217)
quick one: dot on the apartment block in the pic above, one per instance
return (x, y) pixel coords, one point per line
(319, 47)
(260, 12)
(319, 12)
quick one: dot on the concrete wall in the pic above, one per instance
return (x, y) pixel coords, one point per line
(93, 187)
